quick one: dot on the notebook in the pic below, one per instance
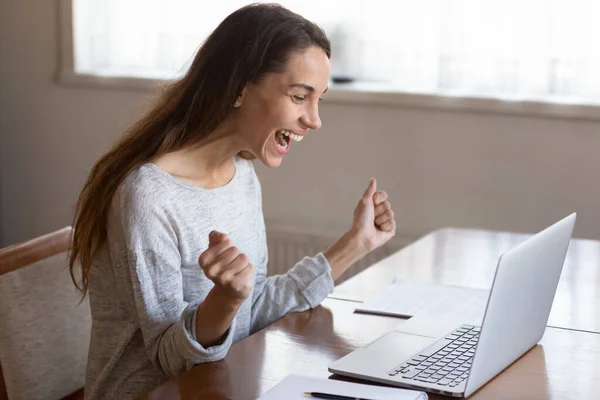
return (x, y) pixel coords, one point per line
(293, 386)
(409, 299)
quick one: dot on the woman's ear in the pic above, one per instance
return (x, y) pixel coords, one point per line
(240, 99)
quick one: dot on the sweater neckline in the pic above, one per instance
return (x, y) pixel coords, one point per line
(232, 182)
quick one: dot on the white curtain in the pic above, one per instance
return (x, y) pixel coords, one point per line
(514, 49)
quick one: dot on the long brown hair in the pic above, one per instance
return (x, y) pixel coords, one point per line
(251, 42)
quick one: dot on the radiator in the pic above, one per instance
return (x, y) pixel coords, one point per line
(286, 248)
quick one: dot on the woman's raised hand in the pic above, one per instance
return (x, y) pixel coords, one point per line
(373, 221)
(230, 270)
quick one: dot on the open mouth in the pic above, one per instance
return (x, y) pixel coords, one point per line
(283, 138)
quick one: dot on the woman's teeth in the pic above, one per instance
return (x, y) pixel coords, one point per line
(280, 140)
(291, 135)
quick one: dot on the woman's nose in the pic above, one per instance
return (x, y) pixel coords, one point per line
(311, 118)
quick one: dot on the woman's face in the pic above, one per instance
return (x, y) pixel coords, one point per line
(282, 107)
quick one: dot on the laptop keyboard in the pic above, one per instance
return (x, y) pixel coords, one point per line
(446, 362)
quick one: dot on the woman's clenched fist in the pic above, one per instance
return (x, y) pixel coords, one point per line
(230, 270)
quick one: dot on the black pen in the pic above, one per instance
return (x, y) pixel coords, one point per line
(319, 395)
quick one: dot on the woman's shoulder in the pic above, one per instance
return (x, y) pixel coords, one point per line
(142, 182)
(142, 190)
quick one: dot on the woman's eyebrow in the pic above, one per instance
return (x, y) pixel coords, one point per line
(307, 87)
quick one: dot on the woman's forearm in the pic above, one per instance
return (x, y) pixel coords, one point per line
(215, 314)
(214, 317)
(343, 253)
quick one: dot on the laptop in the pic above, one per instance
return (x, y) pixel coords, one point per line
(464, 359)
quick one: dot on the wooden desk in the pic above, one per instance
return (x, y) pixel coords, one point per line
(566, 364)
(469, 257)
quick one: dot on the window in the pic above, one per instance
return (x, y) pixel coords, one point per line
(535, 50)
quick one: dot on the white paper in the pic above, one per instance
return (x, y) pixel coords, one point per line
(292, 387)
(409, 299)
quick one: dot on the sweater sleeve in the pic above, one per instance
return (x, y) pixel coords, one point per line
(166, 320)
(304, 286)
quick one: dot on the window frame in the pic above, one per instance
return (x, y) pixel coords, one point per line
(356, 93)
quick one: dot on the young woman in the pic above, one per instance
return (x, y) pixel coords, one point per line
(169, 229)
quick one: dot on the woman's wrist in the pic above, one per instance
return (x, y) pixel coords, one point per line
(344, 252)
(226, 301)
(214, 317)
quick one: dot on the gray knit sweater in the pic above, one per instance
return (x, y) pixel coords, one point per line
(145, 284)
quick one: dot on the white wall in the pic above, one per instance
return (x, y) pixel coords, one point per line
(440, 168)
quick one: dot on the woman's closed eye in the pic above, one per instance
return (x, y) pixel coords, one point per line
(301, 99)
(298, 99)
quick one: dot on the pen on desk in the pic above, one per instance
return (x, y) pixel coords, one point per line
(319, 395)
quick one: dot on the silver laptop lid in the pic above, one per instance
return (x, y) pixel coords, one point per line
(520, 301)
